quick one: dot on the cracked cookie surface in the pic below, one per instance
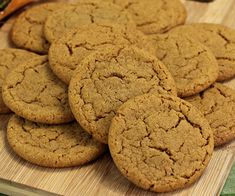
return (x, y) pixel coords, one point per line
(63, 145)
(154, 16)
(218, 104)
(219, 39)
(82, 14)
(106, 79)
(27, 31)
(9, 59)
(32, 91)
(160, 142)
(192, 65)
(67, 52)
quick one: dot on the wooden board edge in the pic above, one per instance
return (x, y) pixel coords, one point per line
(231, 156)
(13, 188)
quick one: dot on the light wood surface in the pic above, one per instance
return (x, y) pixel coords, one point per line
(102, 177)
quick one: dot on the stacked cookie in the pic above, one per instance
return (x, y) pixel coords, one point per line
(116, 73)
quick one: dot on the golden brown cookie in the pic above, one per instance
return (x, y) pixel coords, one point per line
(218, 105)
(220, 39)
(106, 79)
(27, 31)
(192, 65)
(9, 59)
(154, 16)
(160, 142)
(66, 53)
(85, 13)
(33, 92)
(63, 145)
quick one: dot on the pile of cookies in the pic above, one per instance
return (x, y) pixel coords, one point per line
(129, 74)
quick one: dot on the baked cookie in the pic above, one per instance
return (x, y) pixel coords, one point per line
(106, 79)
(66, 53)
(85, 13)
(218, 105)
(154, 16)
(63, 145)
(220, 39)
(27, 31)
(160, 143)
(192, 65)
(9, 59)
(32, 91)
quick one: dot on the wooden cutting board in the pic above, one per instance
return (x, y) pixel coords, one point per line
(102, 177)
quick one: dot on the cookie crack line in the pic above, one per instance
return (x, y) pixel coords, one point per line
(37, 97)
(129, 5)
(38, 145)
(121, 77)
(31, 21)
(227, 41)
(225, 58)
(5, 66)
(180, 119)
(86, 46)
(146, 24)
(168, 152)
(219, 33)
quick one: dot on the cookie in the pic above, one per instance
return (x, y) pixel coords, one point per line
(154, 16)
(82, 14)
(33, 92)
(106, 79)
(160, 142)
(27, 31)
(220, 39)
(9, 59)
(192, 65)
(63, 145)
(218, 104)
(67, 52)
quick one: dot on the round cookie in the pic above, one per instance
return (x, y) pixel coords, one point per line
(106, 79)
(33, 92)
(160, 143)
(9, 59)
(154, 16)
(66, 53)
(192, 65)
(220, 39)
(56, 146)
(27, 31)
(85, 13)
(218, 104)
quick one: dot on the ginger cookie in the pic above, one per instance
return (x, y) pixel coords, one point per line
(218, 104)
(33, 92)
(192, 65)
(154, 16)
(106, 79)
(27, 31)
(160, 142)
(220, 39)
(9, 59)
(85, 13)
(66, 53)
(56, 146)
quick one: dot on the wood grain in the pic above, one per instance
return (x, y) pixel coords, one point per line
(102, 177)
